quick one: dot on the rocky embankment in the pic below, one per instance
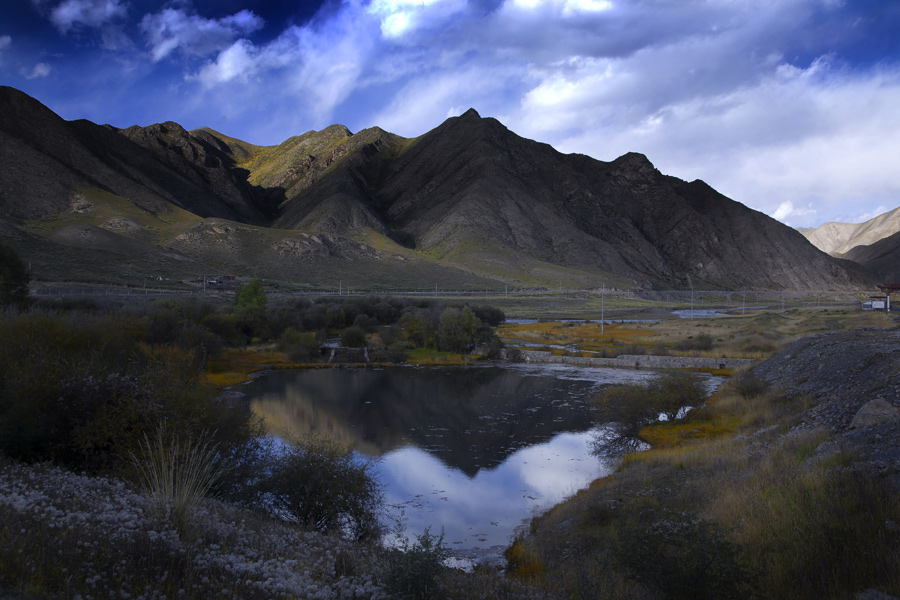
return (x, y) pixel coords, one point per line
(852, 380)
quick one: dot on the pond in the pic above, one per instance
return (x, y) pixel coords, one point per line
(475, 451)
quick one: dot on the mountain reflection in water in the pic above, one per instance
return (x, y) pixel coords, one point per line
(474, 451)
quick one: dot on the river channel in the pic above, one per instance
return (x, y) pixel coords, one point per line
(472, 451)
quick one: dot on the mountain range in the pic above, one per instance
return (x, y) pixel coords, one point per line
(467, 205)
(873, 244)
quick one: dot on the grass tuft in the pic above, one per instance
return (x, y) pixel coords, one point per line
(176, 474)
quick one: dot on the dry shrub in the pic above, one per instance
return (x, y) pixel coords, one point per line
(176, 474)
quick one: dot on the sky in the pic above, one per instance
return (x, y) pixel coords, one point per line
(791, 107)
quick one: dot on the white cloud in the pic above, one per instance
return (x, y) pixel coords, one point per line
(786, 210)
(307, 70)
(402, 17)
(5, 42)
(237, 61)
(39, 70)
(744, 94)
(174, 29)
(92, 13)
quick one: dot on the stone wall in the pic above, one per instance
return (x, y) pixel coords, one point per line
(632, 361)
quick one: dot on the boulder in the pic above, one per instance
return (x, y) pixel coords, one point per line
(875, 412)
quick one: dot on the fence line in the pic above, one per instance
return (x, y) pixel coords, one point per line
(666, 296)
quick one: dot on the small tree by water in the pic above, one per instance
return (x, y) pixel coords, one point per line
(250, 294)
(631, 406)
(316, 482)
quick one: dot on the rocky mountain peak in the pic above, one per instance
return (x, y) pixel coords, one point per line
(469, 197)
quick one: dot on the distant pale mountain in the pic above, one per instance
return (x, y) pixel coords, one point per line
(839, 238)
(467, 205)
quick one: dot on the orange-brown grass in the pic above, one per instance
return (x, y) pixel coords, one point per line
(522, 561)
(754, 335)
(233, 366)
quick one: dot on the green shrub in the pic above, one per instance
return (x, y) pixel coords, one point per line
(83, 390)
(458, 331)
(250, 294)
(749, 385)
(353, 337)
(300, 347)
(319, 483)
(701, 342)
(413, 569)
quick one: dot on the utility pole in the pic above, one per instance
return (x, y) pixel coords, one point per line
(691, 283)
(602, 297)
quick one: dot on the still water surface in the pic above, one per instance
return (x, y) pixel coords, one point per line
(474, 450)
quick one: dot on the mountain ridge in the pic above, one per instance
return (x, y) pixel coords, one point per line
(469, 202)
(840, 238)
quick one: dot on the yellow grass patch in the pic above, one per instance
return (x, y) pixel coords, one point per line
(225, 379)
(423, 356)
(233, 366)
(667, 435)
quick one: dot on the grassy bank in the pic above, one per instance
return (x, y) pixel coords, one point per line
(731, 502)
(757, 335)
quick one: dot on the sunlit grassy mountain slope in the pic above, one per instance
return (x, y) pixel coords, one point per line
(468, 205)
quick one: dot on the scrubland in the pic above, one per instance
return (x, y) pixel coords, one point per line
(731, 501)
(753, 334)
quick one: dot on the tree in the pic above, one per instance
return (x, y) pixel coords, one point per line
(673, 391)
(323, 485)
(631, 406)
(353, 337)
(14, 278)
(250, 294)
(459, 329)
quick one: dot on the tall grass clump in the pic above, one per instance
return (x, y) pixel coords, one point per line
(414, 569)
(815, 527)
(176, 474)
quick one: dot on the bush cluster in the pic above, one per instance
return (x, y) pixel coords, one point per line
(82, 389)
(631, 406)
(316, 482)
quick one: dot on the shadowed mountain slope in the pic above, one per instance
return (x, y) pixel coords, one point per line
(471, 184)
(881, 258)
(469, 203)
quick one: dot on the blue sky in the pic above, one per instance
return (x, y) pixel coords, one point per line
(791, 107)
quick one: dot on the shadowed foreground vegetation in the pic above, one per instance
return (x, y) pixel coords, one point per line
(179, 492)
